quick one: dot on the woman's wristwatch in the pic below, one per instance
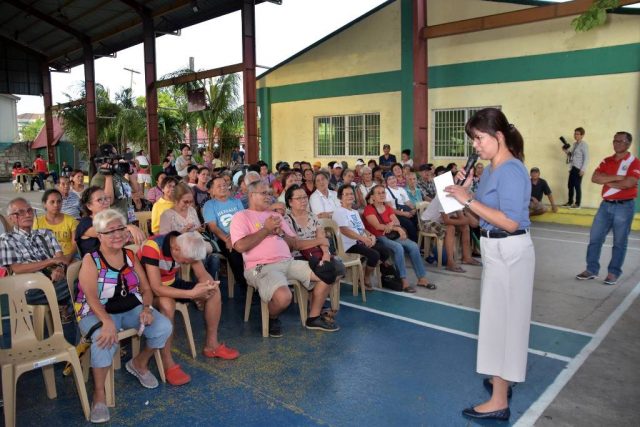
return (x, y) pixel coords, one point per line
(147, 307)
(468, 202)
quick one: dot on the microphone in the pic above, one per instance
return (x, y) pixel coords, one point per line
(471, 162)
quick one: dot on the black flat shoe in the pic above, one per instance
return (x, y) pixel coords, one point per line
(502, 414)
(489, 386)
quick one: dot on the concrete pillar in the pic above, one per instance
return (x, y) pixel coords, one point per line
(249, 81)
(48, 115)
(153, 146)
(420, 87)
(90, 97)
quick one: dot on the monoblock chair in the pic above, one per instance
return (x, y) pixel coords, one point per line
(424, 238)
(301, 294)
(144, 222)
(27, 352)
(183, 309)
(351, 261)
(73, 270)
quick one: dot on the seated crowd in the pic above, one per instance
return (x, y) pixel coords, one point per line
(268, 226)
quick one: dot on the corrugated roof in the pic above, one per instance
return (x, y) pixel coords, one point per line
(37, 32)
(41, 139)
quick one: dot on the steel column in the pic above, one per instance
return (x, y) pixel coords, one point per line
(48, 115)
(153, 146)
(90, 100)
(420, 88)
(249, 81)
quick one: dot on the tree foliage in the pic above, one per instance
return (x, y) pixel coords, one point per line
(595, 16)
(31, 131)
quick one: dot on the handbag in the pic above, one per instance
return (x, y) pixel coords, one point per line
(391, 235)
(389, 278)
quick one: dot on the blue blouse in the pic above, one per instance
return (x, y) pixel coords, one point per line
(508, 189)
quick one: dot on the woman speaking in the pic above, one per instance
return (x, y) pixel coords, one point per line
(501, 202)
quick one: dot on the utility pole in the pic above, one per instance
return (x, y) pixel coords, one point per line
(131, 80)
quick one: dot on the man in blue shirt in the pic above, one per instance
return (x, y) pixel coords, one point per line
(217, 214)
(386, 160)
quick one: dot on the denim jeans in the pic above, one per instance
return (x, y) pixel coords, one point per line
(616, 217)
(399, 247)
(212, 265)
(156, 333)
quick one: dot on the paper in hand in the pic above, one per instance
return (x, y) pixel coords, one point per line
(449, 204)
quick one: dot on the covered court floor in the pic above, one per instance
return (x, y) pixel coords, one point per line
(399, 359)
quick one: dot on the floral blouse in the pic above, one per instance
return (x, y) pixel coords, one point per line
(308, 232)
(170, 220)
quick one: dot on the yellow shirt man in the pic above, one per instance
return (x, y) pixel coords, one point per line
(159, 207)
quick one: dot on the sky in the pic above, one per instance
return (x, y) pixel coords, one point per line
(281, 31)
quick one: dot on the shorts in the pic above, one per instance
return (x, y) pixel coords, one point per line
(267, 278)
(185, 286)
(144, 178)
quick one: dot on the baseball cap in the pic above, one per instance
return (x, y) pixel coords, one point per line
(337, 165)
(317, 164)
(359, 162)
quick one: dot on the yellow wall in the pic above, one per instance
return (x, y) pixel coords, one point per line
(546, 109)
(555, 35)
(293, 130)
(369, 46)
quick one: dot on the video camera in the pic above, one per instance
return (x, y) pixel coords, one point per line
(109, 162)
(565, 144)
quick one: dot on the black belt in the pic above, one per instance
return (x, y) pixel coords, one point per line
(617, 202)
(499, 234)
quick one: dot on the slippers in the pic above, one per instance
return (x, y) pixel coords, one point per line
(430, 286)
(409, 290)
(473, 262)
(456, 269)
(176, 376)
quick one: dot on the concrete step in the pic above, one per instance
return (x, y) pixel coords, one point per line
(582, 217)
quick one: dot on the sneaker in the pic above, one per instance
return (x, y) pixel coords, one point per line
(586, 275)
(221, 352)
(574, 206)
(275, 328)
(610, 280)
(319, 323)
(147, 379)
(566, 205)
(99, 413)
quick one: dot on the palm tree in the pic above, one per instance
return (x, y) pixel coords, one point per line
(222, 118)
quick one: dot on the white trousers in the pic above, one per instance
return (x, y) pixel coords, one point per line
(505, 306)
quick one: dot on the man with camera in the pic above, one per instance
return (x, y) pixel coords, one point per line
(579, 160)
(112, 169)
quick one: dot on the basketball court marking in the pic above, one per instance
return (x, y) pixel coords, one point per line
(540, 405)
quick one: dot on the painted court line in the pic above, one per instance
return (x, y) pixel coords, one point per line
(539, 406)
(475, 310)
(571, 232)
(606, 245)
(448, 330)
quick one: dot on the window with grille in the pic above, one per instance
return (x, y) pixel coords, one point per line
(449, 138)
(350, 135)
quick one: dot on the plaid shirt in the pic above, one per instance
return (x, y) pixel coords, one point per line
(20, 247)
(428, 188)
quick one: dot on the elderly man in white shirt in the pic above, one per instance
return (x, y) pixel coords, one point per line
(323, 201)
